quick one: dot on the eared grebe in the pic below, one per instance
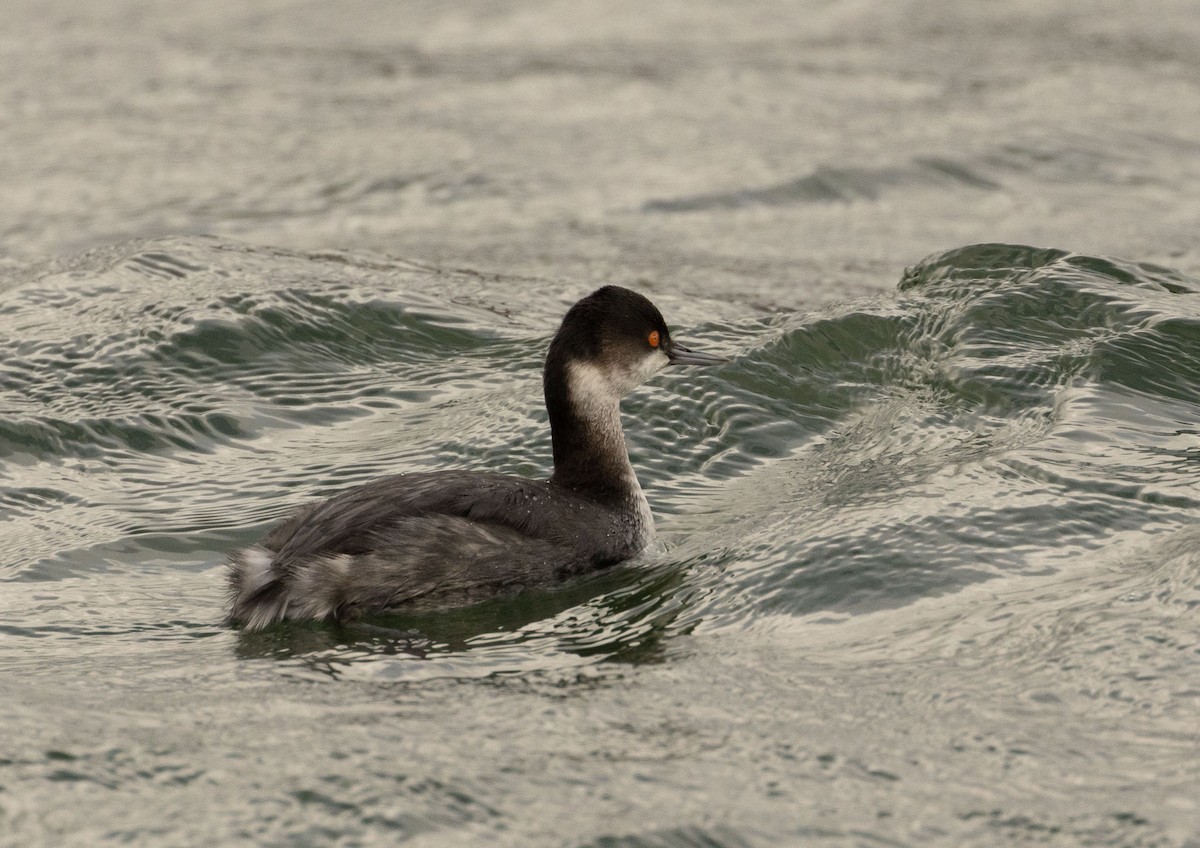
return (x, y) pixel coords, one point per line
(448, 538)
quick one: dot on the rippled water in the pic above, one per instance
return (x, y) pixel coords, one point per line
(962, 513)
(928, 569)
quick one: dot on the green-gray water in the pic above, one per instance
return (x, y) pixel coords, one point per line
(928, 565)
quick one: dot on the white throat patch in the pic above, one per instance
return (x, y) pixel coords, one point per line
(594, 387)
(591, 392)
(596, 399)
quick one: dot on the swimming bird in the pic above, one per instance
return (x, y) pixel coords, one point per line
(441, 539)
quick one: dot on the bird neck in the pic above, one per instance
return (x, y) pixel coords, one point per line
(585, 427)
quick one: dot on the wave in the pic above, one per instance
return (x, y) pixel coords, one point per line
(1007, 410)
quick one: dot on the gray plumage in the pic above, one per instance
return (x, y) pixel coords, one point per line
(422, 541)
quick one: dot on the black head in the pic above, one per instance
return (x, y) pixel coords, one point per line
(622, 336)
(609, 343)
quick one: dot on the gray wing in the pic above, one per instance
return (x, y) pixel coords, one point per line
(438, 539)
(415, 561)
(377, 517)
(443, 561)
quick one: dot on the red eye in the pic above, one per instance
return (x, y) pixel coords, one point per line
(653, 338)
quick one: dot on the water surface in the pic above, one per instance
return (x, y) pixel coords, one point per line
(930, 551)
(928, 559)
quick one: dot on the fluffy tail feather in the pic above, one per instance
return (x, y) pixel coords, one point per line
(260, 595)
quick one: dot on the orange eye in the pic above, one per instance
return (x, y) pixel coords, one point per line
(653, 338)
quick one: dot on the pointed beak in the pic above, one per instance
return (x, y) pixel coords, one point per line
(680, 355)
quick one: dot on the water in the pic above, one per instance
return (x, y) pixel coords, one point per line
(929, 564)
